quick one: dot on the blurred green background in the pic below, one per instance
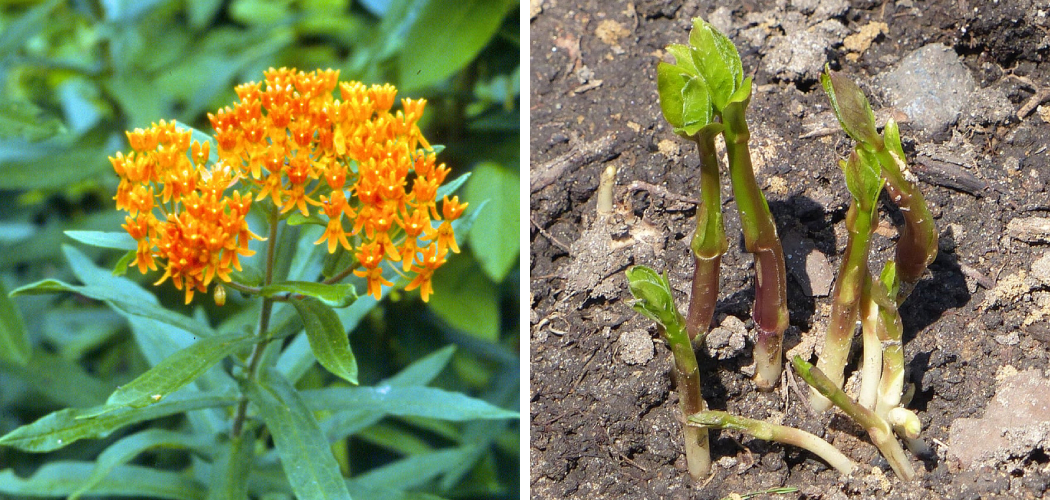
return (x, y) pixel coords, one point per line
(76, 74)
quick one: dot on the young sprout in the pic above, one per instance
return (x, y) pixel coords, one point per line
(864, 185)
(917, 246)
(703, 94)
(778, 433)
(878, 429)
(655, 301)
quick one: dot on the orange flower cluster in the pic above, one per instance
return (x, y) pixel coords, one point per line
(366, 172)
(201, 232)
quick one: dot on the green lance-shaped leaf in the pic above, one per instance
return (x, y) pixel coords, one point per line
(863, 179)
(61, 478)
(118, 240)
(305, 454)
(176, 371)
(878, 429)
(64, 427)
(229, 476)
(716, 58)
(851, 107)
(328, 338)
(129, 447)
(339, 295)
(411, 401)
(14, 340)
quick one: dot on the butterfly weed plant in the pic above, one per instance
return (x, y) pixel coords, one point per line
(297, 149)
(704, 95)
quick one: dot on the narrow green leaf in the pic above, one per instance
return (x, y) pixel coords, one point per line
(121, 268)
(127, 448)
(61, 380)
(150, 311)
(493, 245)
(229, 477)
(863, 178)
(305, 453)
(413, 401)
(431, 55)
(891, 135)
(340, 295)
(63, 427)
(450, 187)
(58, 479)
(414, 471)
(14, 340)
(176, 371)
(119, 240)
(424, 371)
(328, 338)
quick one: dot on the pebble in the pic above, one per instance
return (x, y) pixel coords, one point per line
(636, 347)
(931, 86)
(728, 340)
(799, 56)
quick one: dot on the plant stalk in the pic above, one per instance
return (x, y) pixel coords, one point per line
(709, 242)
(871, 370)
(264, 320)
(778, 433)
(760, 239)
(690, 401)
(878, 429)
(845, 303)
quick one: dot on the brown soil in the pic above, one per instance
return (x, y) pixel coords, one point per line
(604, 420)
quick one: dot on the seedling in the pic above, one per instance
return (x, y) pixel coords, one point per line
(702, 95)
(655, 301)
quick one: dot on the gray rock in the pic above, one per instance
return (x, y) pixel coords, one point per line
(799, 56)
(1016, 421)
(988, 106)
(809, 267)
(728, 340)
(636, 347)
(931, 86)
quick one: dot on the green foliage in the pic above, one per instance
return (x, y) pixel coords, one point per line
(851, 107)
(76, 77)
(863, 179)
(655, 300)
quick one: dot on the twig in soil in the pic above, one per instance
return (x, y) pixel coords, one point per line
(660, 191)
(582, 154)
(550, 238)
(977, 276)
(1033, 102)
(948, 175)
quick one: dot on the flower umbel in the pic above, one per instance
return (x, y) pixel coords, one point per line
(178, 210)
(365, 170)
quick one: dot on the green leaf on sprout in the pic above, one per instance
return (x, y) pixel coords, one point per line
(683, 58)
(863, 178)
(653, 292)
(717, 60)
(670, 80)
(851, 107)
(889, 278)
(892, 137)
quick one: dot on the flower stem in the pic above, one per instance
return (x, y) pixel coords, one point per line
(264, 320)
(778, 433)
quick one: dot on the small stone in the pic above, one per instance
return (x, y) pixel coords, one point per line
(798, 57)
(809, 267)
(535, 8)
(636, 347)
(1008, 339)
(1015, 422)
(1041, 269)
(931, 86)
(728, 340)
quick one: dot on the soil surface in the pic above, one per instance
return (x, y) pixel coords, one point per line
(604, 416)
